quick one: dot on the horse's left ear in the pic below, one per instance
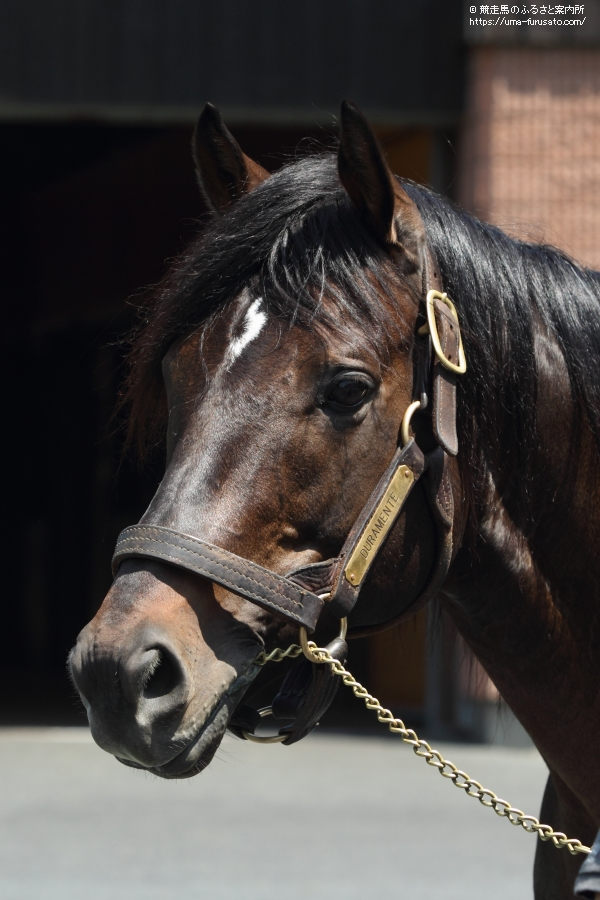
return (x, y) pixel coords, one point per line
(382, 203)
(223, 169)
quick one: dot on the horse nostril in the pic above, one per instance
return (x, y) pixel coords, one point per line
(163, 674)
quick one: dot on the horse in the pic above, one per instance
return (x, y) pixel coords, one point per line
(293, 353)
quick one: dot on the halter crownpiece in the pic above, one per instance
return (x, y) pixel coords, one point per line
(301, 595)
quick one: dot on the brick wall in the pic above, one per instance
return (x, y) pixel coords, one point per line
(530, 157)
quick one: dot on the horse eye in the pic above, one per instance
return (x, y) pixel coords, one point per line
(348, 393)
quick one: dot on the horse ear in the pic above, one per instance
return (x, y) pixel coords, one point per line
(382, 203)
(224, 172)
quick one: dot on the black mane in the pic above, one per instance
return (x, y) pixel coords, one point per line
(506, 291)
(298, 230)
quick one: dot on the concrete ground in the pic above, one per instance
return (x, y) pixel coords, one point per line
(330, 818)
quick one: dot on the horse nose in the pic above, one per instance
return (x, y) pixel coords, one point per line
(152, 674)
(134, 691)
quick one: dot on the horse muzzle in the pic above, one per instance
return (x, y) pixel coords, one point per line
(198, 753)
(157, 695)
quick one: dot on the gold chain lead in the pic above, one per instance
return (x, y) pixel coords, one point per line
(278, 655)
(421, 748)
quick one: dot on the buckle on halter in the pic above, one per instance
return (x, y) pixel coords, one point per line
(432, 329)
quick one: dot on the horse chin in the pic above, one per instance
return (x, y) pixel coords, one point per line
(198, 753)
(200, 750)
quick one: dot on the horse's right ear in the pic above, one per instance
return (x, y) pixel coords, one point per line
(224, 172)
(381, 202)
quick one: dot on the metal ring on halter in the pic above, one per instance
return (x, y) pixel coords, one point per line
(309, 651)
(404, 432)
(268, 739)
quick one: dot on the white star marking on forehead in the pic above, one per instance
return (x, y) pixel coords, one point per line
(253, 324)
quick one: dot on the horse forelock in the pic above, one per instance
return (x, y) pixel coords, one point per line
(297, 243)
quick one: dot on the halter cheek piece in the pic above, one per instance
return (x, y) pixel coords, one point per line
(300, 596)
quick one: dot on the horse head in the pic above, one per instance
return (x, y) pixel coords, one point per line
(286, 340)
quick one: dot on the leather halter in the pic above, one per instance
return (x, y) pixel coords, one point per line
(301, 596)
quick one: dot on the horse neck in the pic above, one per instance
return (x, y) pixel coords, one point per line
(525, 590)
(529, 403)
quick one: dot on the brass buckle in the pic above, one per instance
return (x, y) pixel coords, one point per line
(431, 328)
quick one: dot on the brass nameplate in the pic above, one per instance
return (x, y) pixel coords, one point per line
(378, 525)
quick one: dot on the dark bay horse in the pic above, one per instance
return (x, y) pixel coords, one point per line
(280, 357)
